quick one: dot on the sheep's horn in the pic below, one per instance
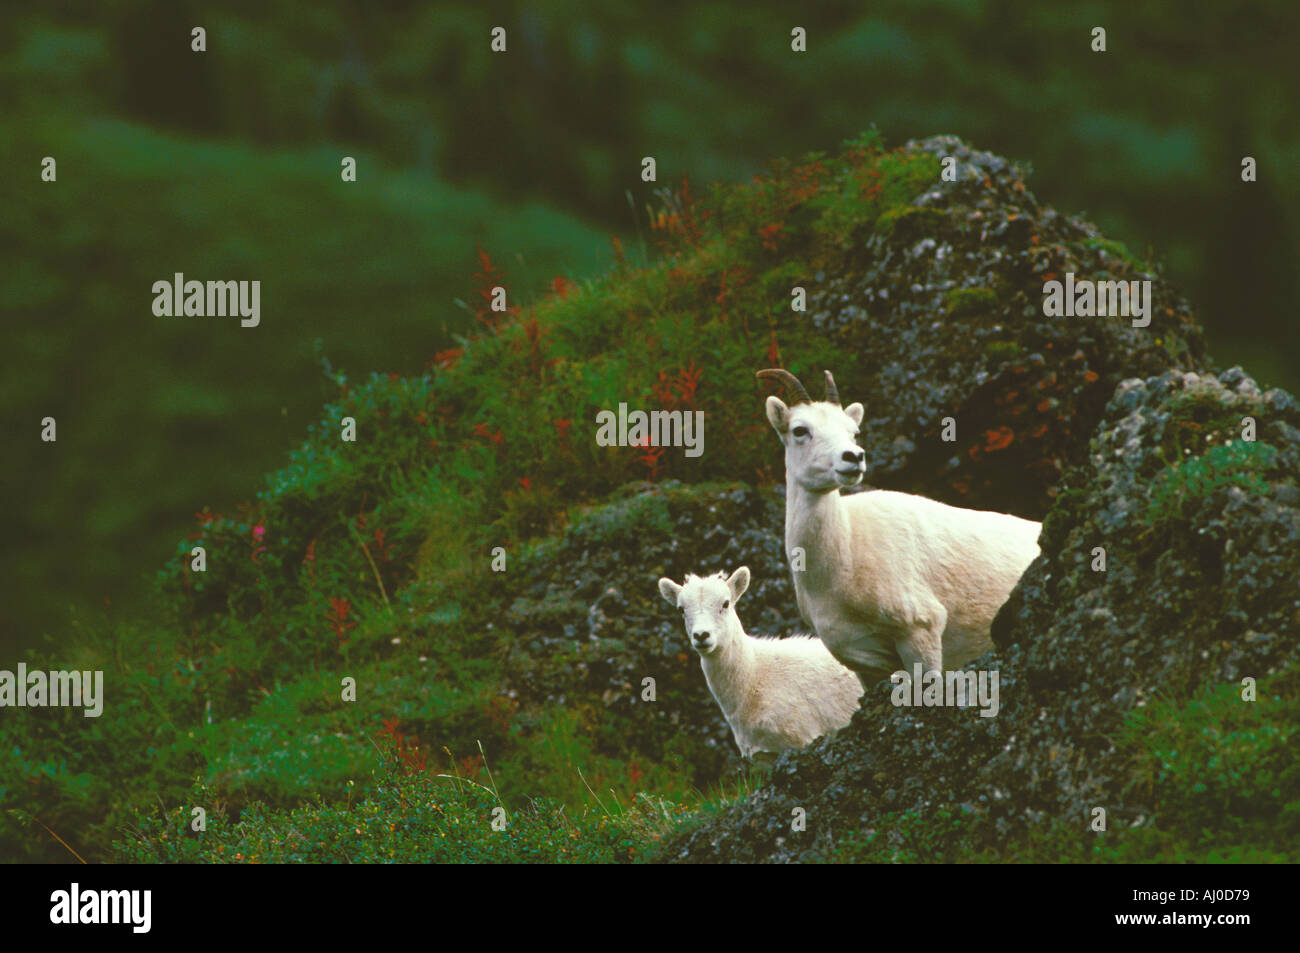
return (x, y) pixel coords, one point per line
(832, 394)
(789, 380)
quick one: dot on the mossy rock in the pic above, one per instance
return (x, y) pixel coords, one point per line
(1116, 249)
(911, 222)
(999, 351)
(964, 302)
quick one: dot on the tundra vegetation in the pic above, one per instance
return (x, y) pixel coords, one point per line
(527, 689)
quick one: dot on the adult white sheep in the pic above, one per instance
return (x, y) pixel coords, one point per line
(886, 577)
(775, 693)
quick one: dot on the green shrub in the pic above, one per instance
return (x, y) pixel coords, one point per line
(1176, 491)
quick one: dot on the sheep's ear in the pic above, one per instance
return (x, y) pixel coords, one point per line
(670, 591)
(738, 582)
(855, 412)
(778, 414)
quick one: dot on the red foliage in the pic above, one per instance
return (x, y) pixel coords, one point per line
(681, 224)
(663, 390)
(688, 381)
(998, 439)
(337, 617)
(768, 233)
(380, 546)
(773, 352)
(309, 560)
(721, 299)
(872, 190)
(447, 359)
(650, 457)
(501, 711)
(536, 351)
(408, 755)
(488, 277)
(498, 438)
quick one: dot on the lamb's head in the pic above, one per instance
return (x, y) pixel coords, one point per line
(708, 605)
(820, 437)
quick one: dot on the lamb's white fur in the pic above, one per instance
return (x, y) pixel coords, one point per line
(775, 693)
(888, 577)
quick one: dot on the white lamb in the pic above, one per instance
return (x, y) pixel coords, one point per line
(775, 693)
(886, 577)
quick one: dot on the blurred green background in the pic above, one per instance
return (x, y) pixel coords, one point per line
(225, 165)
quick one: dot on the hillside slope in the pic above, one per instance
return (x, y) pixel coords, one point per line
(374, 560)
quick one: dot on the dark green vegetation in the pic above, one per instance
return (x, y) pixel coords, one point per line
(228, 160)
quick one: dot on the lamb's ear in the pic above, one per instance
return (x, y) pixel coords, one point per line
(670, 591)
(778, 414)
(738, 582)
(855, 412)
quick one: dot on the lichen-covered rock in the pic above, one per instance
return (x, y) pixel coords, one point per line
(937, 309)
(586, 622)
(939, 313)
(1201, 587)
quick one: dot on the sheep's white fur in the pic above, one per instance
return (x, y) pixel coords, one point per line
(775, 693)
(888, 577)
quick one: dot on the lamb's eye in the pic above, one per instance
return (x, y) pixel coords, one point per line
(726, 604)
(800, 431)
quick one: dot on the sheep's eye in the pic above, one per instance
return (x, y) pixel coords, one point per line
(800, 431)
(726, 604)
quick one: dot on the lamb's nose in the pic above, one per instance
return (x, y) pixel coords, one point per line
(701, 637)
(855, 458)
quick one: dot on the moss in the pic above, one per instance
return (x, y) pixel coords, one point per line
(1115, 249)
(1177, 488)
(1199, 417)
(881, 191)
(910, 222)
(627, 519)
(998, 351)
(963, 302)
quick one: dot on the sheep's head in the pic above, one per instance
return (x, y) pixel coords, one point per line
(820, 437)
(708, 605)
